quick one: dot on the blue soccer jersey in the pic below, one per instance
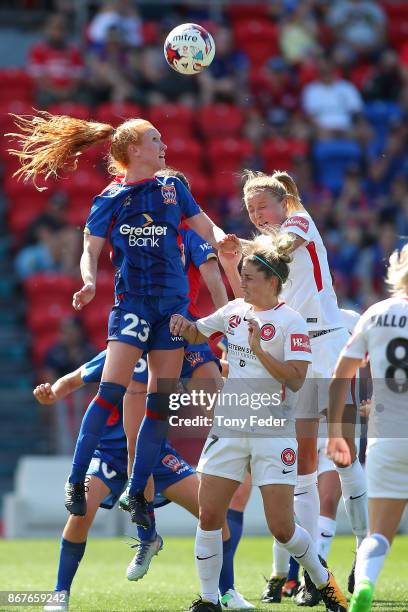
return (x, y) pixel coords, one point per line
(142, 221)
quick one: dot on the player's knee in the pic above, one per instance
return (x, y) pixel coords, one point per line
(210, 518)
(328, 504)
(282, 531)
(307, 461)
(77, 527)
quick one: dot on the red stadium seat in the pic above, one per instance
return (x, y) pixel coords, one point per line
(105, 286)
(258, 38)
(95, 315)
(150, 32)
(41, 343)
(225, 184)
(228, 154)
(238, 12)
(219, 120)
(199, 187)
(82, 186)
(16, 85)
(47, 317)
(280, 153)
(184, 154)
(73, 109)
(43, 289)
(172, 120)
(17, 107)
(25, 203)
(117, 112)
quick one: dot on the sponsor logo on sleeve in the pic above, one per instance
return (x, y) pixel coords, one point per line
(300, 342)
(268, 331)
(300, 222)
(288, 456)
(169, 194)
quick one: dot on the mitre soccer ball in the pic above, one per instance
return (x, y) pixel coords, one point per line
(189, 48)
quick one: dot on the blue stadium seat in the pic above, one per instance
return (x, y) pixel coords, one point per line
(332, 158)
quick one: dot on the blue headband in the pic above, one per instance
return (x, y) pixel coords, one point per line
(265, 263)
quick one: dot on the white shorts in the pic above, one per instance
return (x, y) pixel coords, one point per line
(313, 397)
(387, 468)
(270, 460)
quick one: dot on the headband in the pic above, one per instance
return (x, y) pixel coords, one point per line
(265, 263)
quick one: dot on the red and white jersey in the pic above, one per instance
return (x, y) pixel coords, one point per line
(350, 319)
(309, 289)
(382, 335)
(283, 334)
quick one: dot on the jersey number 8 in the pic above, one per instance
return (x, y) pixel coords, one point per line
(397, 363)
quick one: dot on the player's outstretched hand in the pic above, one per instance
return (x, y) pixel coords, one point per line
(44, 394)
(82, 297)
(338, 451)
(254, 335)
(230, 244)
(178, 325)
(229, 260)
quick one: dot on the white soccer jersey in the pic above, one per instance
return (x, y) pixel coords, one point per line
(309, 289)
(283, 334)
(350, 319)
(382, 335)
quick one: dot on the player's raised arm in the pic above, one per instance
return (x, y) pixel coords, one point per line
(205, 228)
(48, 394)
(211, 274)
(93, 246)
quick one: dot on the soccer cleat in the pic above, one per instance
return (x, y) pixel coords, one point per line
(272, 592)
(351, 578)
(138, 510)
(58, 606)
(332, 596)
(232, 600)
(362, 597)
(139, 565)
(290, 588)
(308, 594)
(124, 500)
(75, 500)
(201, 605)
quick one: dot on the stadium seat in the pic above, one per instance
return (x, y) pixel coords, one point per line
(172, 120)
(280, 153)
(239, 12)
(184, 154)
(73, 109)
(258, 38)
(47, 317)
(150, 32)
(228, 154)
(332, 158)
(82, 186)
(219, 120)
(117, 112)
(45, 288)
(225, 184)
(382, 115)
(95, 315)
(18, 107)
(41, 343)
(16, 85)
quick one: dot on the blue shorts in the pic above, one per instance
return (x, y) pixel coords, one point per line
(195, 356)
(171, 469)
(143, 321)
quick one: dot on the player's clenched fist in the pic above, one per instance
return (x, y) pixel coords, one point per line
(44, 394)
(82, 297)
(230, 244)
(179, 325)
(338, 451)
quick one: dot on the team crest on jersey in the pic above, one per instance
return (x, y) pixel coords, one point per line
(169, 194)
(114, 189)
(299, 222)
(300, 342)
(194, 358)
(233, 322)
(288, 456)
(171, 462)
(268, 331)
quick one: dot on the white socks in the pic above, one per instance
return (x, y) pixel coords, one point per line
(280, 565)
(354, 489)
(307, 504)
(370, 557)
(327, 531)
(303, 550)
(208, 557)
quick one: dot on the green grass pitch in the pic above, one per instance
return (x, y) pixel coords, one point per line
(171, 583)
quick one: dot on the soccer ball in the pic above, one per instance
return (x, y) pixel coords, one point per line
(189, 48)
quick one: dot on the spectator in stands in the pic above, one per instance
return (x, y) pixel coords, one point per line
(360, 24)
(386, 82)
(120, 15)
(69, 352)
(226, 78)
(55, 249)
(298, 35)
(331, 102)
(56, 65)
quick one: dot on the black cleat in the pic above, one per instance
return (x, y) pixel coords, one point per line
(332, 596)
(75, 500)
(308, 594)
(272, 592)
(201, 605)
(351, 578)
(138, 510)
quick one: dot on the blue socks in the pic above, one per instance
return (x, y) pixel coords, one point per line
(148, 535)
(104, 404)
(235, 520)
(152, 432)
(71, 554)
(235, 524)
(293, 570)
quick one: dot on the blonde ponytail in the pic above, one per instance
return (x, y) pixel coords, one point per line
(293, 201)
(397, 275)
